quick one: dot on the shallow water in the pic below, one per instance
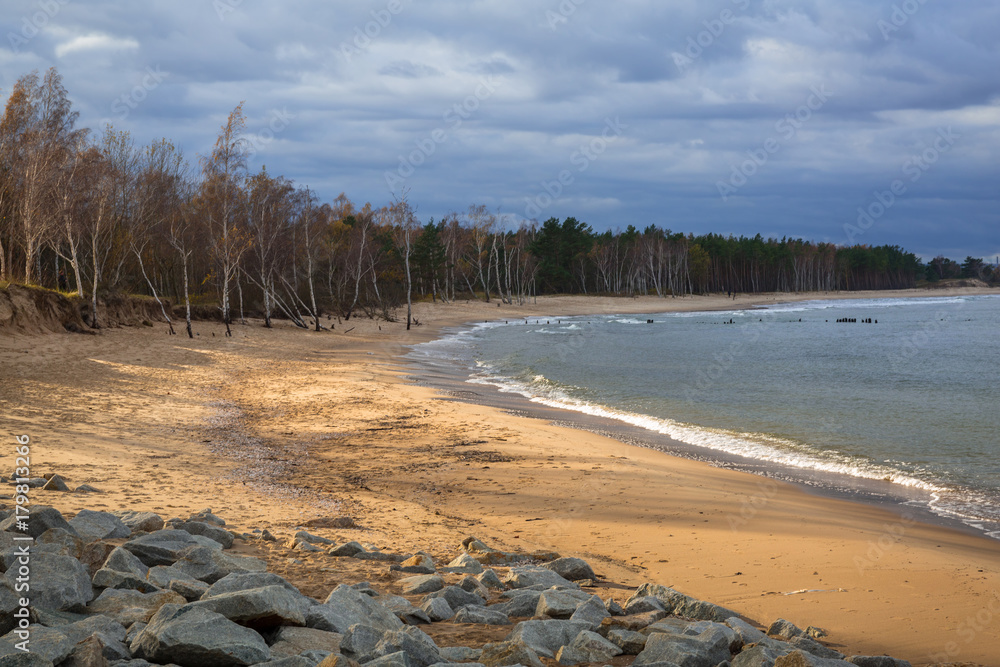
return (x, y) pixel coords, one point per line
(911, 399)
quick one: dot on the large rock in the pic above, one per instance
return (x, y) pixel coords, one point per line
(10, 602)
(559, 604)
(346, 606)
(145, 522)
(196, 637)
(480, 616)
(294, 641)
(404, 609)
(259, 608)
(397, 659)
(93, 526)
(58, 583)
(347, 550)
(502, 654)
(877, 661)
(761, 655)
(243, 581)
(591, 611)
(706, 649)
(748, 633)
(105, 578)
(61, 542)
(108, 633)
(643, 605)
(456, 597)
(122, 560)
(520, 603)
(489, 579)
(21, 659)
(631, 643)
(437, 609)
(545, 637)
(416, 644)
(39, 519)
(48, 643)
(472, 585)
(360, 640)
(465, 563)
(679, 604)
(530, 575)
(421, 584)
(163, 547)
(814, 647)
(128, 607)
(209, 565)
(162, 575)
(587, 647)
(304, 536)
(783, 629)
(573, 569)
(211, 531)
(420, 563)
(803, 659)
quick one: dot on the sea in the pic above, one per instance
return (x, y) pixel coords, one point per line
(893, 400)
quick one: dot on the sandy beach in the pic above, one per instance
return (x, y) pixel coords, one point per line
(282, 428)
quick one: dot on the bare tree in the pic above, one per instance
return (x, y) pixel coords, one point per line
(222, 193)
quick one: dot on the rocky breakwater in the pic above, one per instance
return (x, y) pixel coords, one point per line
(130, 589)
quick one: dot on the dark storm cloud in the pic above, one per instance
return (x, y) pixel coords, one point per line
(734, 116)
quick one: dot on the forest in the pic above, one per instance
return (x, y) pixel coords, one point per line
(95, 214)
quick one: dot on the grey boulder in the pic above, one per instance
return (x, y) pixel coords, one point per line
(587, 647)
(530, 575)
(573, 569)
(58, 583)
(197, 637)
(209, 565)
(346, 606)
(93, 526)
(145, 522)
(480, 616)
(259, 608)
(39, 519)
(545, 637)
(162, 547)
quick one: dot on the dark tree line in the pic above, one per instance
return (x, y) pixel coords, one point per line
(94, 214)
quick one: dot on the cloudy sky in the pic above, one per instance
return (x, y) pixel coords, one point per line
(867, 121)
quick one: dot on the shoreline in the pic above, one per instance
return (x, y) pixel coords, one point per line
(330, 418)
(456, 380)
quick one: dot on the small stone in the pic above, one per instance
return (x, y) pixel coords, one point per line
(87, 488)
(350, 549)
(304, 536)
(55, 483)
(784, 629)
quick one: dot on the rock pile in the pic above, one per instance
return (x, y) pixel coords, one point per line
(128, 589)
